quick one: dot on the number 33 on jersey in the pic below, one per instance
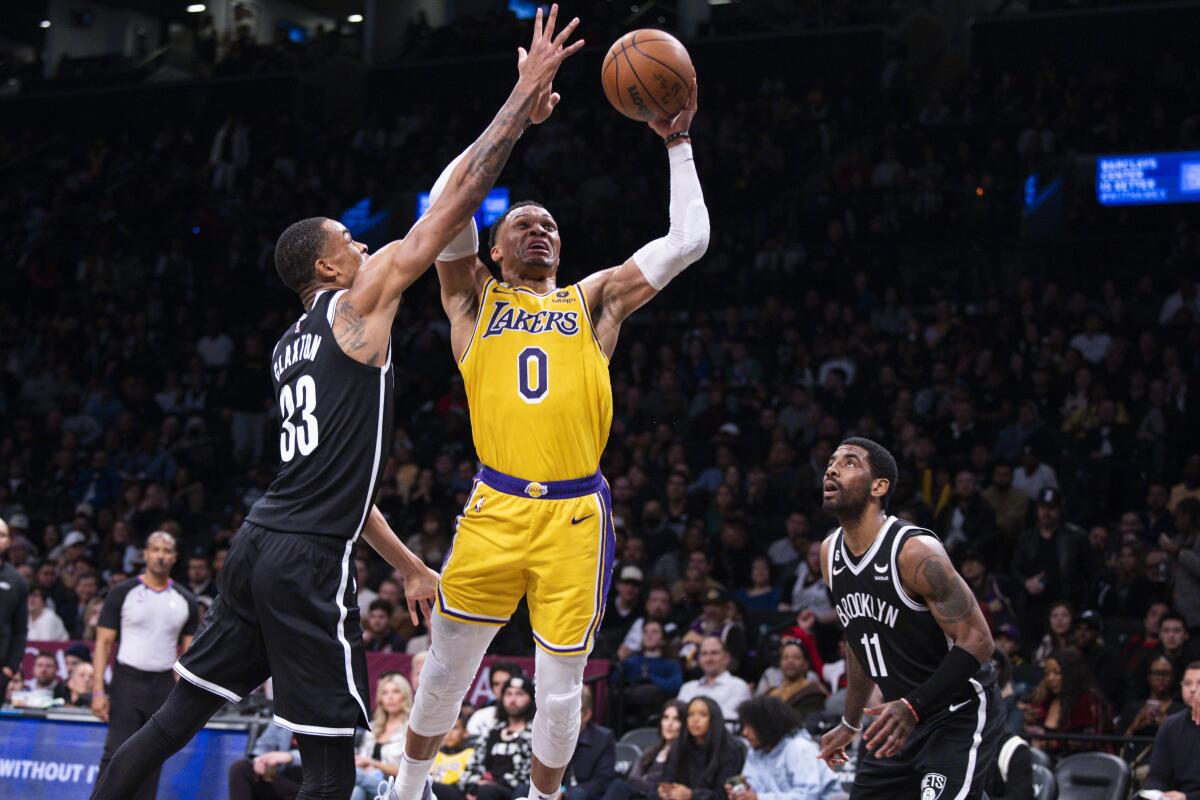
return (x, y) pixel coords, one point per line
(537, 383)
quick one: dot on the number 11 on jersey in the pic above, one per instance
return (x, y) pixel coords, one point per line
(872, 644)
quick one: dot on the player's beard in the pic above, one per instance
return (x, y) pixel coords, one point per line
(848, 503)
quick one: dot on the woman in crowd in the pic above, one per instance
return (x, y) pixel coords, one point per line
(382, 747)
(91, 618)
(1142, 717)
(1066, 702)
(782, 761)
(650, 770)
(760, 595)
(706, 757)
(1059, 624)
(77, 691)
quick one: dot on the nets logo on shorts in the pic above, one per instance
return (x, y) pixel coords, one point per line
(932, 786)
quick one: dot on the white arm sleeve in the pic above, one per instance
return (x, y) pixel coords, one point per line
(663, 259)
(466, 241)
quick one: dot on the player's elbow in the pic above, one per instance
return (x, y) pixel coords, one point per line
(691, 243)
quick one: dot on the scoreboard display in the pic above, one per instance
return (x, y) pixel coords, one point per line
(1148, 178)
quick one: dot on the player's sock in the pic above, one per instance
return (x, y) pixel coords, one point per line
(410, 778)
(537, 794)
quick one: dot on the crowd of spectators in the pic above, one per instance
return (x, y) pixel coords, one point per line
(1043, 413)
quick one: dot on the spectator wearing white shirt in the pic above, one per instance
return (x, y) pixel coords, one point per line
(810, 591)
(215, 347)
(1092, 343)
(657, 607)
(1184, 299)
(726, 690)
(782, 763)
(484, 718)
(44, 624)
(1034, 475)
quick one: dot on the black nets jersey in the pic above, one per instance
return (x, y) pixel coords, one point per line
(335, 418)
(894, 637)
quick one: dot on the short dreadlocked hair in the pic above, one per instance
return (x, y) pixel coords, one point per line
(297, 249)
(495, 229)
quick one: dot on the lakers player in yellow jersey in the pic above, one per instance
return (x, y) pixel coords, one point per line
(534, 360)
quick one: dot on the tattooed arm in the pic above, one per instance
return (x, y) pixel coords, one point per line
(363, 320)
(926, 574)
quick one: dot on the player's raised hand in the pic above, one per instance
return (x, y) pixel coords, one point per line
(681, 121)
(887, 734)
(543, 107)
(546, 51)
(420, 589)
(833, 746)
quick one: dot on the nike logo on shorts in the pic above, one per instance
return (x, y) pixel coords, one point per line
(956, 706)
(581, 519)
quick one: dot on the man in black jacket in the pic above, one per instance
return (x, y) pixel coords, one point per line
(594, 765)
(1174, 768)
(14, 615)
(1052, 561)
(968, 521)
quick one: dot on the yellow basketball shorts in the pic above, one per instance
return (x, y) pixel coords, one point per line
(553, 542)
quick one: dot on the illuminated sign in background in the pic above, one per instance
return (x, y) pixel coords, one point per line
(1148, 179)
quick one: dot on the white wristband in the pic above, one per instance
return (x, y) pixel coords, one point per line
(850, 727)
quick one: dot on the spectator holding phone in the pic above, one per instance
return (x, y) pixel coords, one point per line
(782, 763)
(1143, 717)
(707, 755)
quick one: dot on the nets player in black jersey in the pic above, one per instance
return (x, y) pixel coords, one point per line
(287, 607)
(913, 629)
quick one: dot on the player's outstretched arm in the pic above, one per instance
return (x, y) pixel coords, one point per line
(926, 572)
(420, 582)
(613, 294)
(397, 265)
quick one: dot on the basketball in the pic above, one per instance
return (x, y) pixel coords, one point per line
(647, 75)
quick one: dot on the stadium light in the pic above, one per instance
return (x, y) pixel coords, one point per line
(196, 8)
(356, 18)
(44, 24)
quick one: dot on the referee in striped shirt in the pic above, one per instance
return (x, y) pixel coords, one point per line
(151, 615)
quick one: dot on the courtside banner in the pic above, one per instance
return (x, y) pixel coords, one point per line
(54, 759)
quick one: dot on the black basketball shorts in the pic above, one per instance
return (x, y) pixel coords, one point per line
(947, 757)
(287, 610)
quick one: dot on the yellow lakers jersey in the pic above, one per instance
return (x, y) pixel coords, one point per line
(537, 384)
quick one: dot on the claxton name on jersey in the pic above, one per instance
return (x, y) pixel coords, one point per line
(304, 346)
(506, 317)
(862, 604)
